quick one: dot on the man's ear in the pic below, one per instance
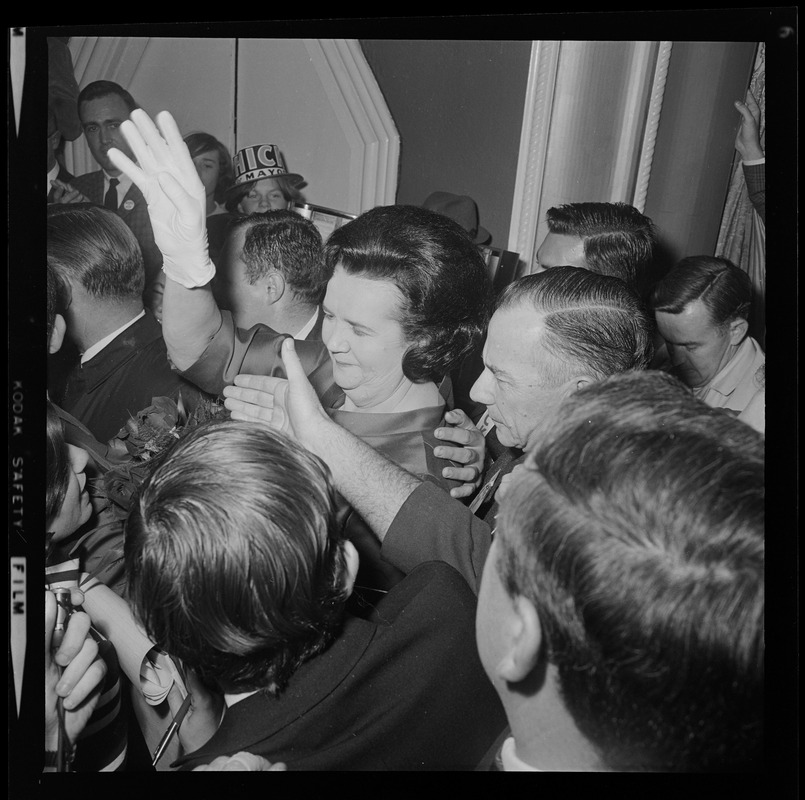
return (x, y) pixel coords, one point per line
(738, 330)
(579, 382)
(275, 286)
(352, 562)
(57, 334)
(525, 642)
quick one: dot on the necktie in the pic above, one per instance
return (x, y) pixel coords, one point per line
(110, 201)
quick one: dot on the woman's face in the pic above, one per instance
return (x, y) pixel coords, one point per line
(76, 508)
(208, 166)
(264, 195)
(363, 335)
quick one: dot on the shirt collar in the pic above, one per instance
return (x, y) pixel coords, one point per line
(308, 326)
(123, 185)
(734, 371)
(93, 351)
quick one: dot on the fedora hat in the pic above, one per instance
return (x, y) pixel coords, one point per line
(462, 209)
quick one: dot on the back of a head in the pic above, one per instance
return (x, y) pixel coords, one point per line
(438, 270)
(637, 530)
(233, 555)
(593, 322)
(91, 246)
(285, 241)
(98, 89)
(722, 287)
(618, 239)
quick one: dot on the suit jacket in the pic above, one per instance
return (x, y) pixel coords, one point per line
(404, 690)
(256, 351)
(136, 217)
(123, 378)
(431, 525)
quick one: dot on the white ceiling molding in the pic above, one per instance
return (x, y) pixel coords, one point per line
(533, 148)
(652, 124)
(361, 109)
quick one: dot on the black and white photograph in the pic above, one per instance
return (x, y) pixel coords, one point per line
(394, 398)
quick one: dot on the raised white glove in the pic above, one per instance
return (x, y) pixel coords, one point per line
(175, 195)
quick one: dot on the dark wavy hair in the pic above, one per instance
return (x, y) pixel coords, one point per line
(438, 269)
(285, 241)
(618, 239)
(57, 464)
(98, 89)
(199, 143)
(91, 245)
(637, 531)
(234, 557)
(724, 289)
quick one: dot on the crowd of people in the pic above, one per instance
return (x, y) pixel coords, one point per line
(374, 515)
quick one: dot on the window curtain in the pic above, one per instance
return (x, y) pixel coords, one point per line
(742, 236)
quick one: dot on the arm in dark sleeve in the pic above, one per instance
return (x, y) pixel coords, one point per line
(432, 526)
(755, 175)
(256, 351)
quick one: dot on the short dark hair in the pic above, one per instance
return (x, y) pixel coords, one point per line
(285, 241)
(199, 143)
(437, 268)
(724, 289)
(98, 89)
(637, 531)
(234, 556)
(91, 245)
(618, 239)
(593, 322)
(288, 187)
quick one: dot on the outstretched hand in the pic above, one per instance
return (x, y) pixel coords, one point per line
(175, 195)
(747, 142)
(290, 405)
(470, 451)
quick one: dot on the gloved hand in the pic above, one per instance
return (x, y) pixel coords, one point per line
(175, 195)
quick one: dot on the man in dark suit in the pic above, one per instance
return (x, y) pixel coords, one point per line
(102, 106)
(119, 361)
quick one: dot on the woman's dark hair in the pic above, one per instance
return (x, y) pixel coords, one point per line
(438, 269)
(57, 464)
(199, 143)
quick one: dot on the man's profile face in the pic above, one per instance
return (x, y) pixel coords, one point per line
(516, 385)
(101, 119)
(560, 250)
(697, 347)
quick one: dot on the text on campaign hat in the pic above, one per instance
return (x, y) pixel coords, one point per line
(260, 161)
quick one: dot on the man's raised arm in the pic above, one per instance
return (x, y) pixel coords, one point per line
(167, 177)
